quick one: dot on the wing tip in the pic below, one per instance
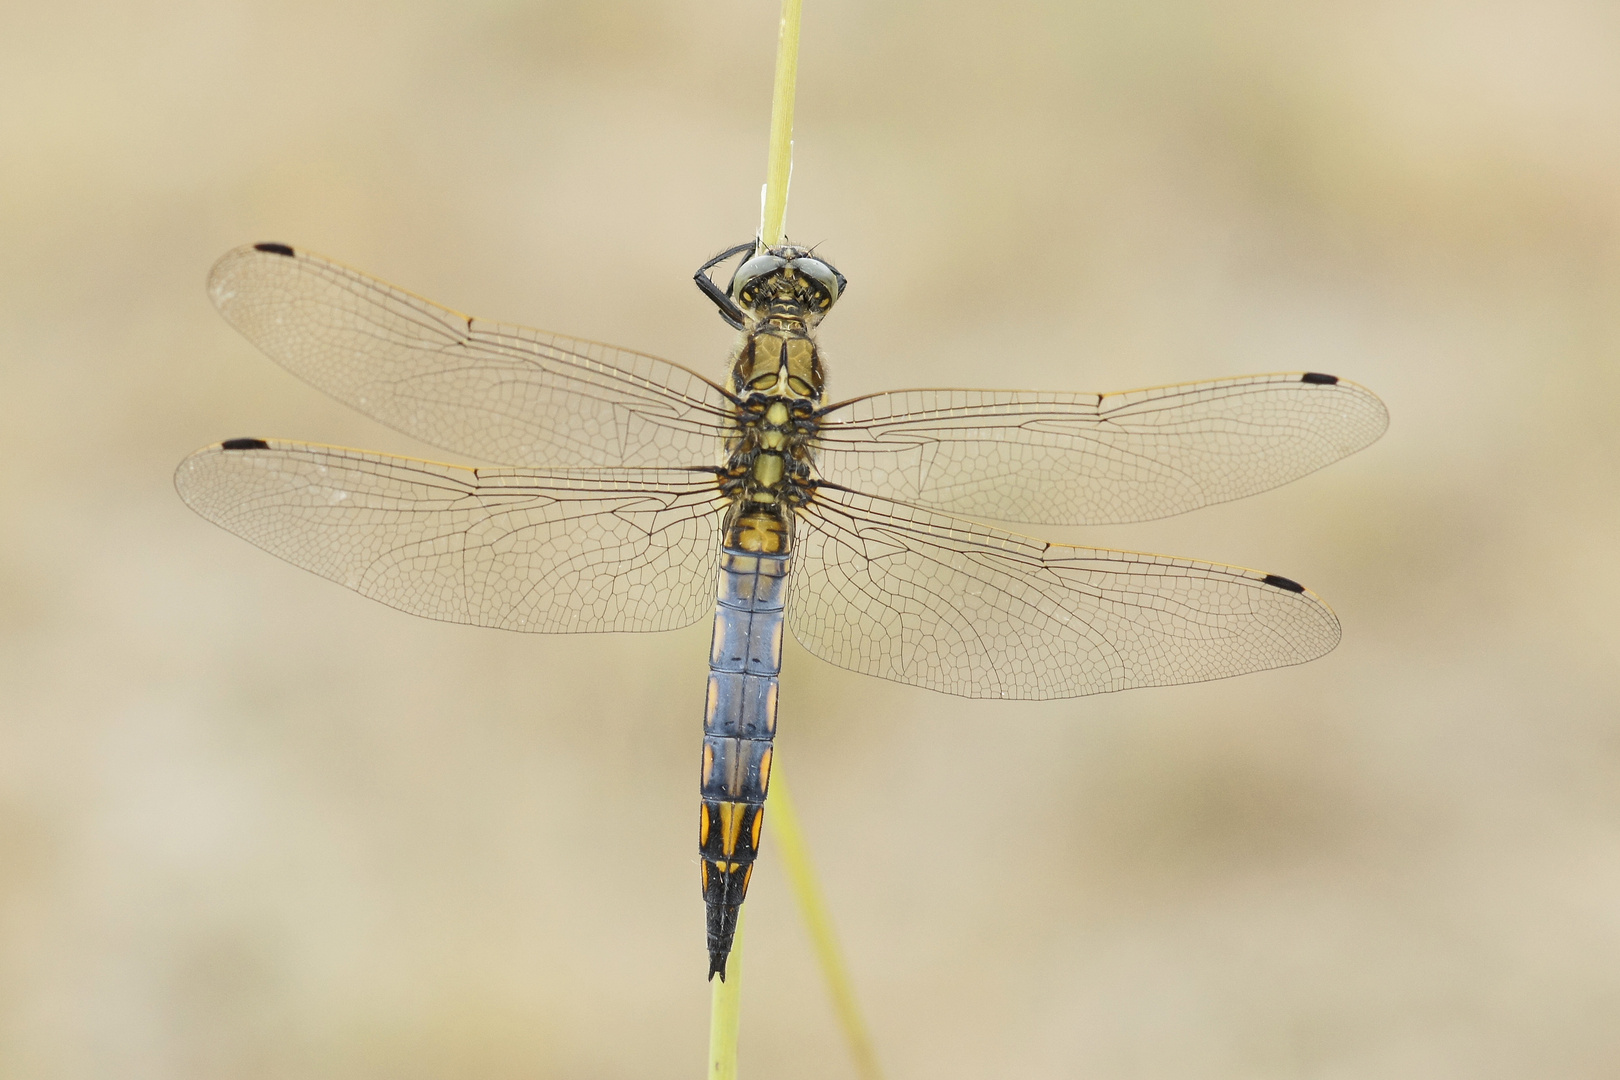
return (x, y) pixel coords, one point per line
(225, 276)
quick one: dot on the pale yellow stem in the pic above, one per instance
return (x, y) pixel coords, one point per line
(725, 1012)
(779, 163)
(789, 838)
(725, 996)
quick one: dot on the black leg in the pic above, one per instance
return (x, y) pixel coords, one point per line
(729, 310)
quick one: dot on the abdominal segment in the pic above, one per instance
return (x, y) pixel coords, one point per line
(739, 723)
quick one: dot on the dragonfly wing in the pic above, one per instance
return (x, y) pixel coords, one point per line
(548, 552)
(505, 394)
(894, 591)
(1095, 459)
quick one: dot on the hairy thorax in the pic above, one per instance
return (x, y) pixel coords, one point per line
(777, 376)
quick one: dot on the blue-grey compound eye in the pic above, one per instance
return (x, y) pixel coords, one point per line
(751, 271)
(821, 274)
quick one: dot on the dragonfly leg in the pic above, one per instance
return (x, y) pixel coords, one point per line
(729, 310)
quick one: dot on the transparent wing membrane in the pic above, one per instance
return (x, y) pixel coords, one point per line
(547, 552)
(896, 592)
(1094, 459)
(609, 512)
(504, 394)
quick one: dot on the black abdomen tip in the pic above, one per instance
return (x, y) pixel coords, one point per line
(274, 249)
(244, 444)
(1283, 583)
(1310, 376)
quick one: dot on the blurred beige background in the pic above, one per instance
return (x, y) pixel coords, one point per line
(252, 825)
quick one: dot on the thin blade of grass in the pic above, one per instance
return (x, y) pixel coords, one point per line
(779, 162)
(789, 838)
(725, 1012)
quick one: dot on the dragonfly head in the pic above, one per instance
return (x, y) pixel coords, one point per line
(786, 275)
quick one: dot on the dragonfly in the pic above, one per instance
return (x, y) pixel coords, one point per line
(623, 492)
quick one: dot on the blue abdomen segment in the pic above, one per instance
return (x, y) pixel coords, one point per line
(739, 722)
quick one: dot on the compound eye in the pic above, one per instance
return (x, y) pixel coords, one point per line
(822, 274)
(749, 273)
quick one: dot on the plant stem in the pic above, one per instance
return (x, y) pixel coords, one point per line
(725, 994)
(784, 827)
(779, 162)
(725, 1012)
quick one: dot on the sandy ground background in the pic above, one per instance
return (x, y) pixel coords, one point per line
(252, 825)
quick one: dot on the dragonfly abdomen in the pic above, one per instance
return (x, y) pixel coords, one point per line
(739, 723)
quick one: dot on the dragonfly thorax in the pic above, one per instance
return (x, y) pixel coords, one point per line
(777, 380)
(768, 461)
(778, 360)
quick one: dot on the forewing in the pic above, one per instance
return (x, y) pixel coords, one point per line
(505, 394)
(1095, 459)
(547, 552)
(896, 592)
